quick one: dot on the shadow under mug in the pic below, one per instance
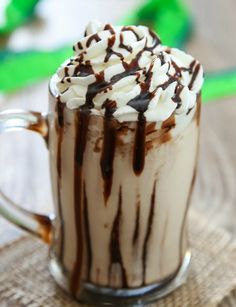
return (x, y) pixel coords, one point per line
(121, 192)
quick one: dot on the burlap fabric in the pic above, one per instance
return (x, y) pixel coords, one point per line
(25, 279)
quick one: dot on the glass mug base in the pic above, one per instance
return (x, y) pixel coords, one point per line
(102, 296)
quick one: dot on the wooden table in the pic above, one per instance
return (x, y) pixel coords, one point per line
(24, 158)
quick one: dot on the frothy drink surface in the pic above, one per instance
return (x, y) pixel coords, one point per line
(124, 147)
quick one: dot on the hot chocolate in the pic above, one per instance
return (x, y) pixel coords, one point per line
(124, 143)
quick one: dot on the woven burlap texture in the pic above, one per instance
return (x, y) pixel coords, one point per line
(25, 279)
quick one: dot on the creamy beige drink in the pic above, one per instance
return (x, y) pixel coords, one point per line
(124, 147)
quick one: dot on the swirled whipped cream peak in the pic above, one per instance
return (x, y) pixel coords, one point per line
(125, 72)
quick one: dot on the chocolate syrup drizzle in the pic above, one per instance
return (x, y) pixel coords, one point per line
(87, 234)
(108, 148)
(81, 124)
(137, 222)
(110, 51)
(181, 251)
(194, 76)
(59, 127)
(140, 103)
(139, 145)
(128, 28)
(109, 28)
(149, 231)
(115, 250)
(94, 37)
(123, 46)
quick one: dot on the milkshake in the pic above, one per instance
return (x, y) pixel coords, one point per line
(123, 148)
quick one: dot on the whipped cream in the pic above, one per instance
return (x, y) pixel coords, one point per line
(126, 72)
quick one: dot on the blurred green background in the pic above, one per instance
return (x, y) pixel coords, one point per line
(26, 64)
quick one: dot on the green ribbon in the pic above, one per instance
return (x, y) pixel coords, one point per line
(170, 19)
(21, 69)
(219, 85)
(17, 12)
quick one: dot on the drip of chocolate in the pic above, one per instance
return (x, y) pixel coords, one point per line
(137, 222)
(115, 250)
(185, 217)
(108, 151)
(66, 70)
(178, 70)
(149, 231)
(192, 64)
(194, 76)
(130, 69)
(98, 86)
(59, 128)
(110, 107)
(45, 228)
(81, 124)
(139, 145)
(87, 234)
(140, 104)
(178, 90)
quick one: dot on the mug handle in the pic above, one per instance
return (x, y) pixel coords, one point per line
(37, 224)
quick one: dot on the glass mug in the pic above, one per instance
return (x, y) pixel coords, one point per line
(121, 196)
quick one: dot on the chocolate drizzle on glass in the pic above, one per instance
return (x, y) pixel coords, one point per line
(108, 153)
(183, 227)
(115, 246)
(81, 124)
(59, 128)
(149, 231)
(140, 104)
(137, 224)
(139, 145)
(87, 233)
